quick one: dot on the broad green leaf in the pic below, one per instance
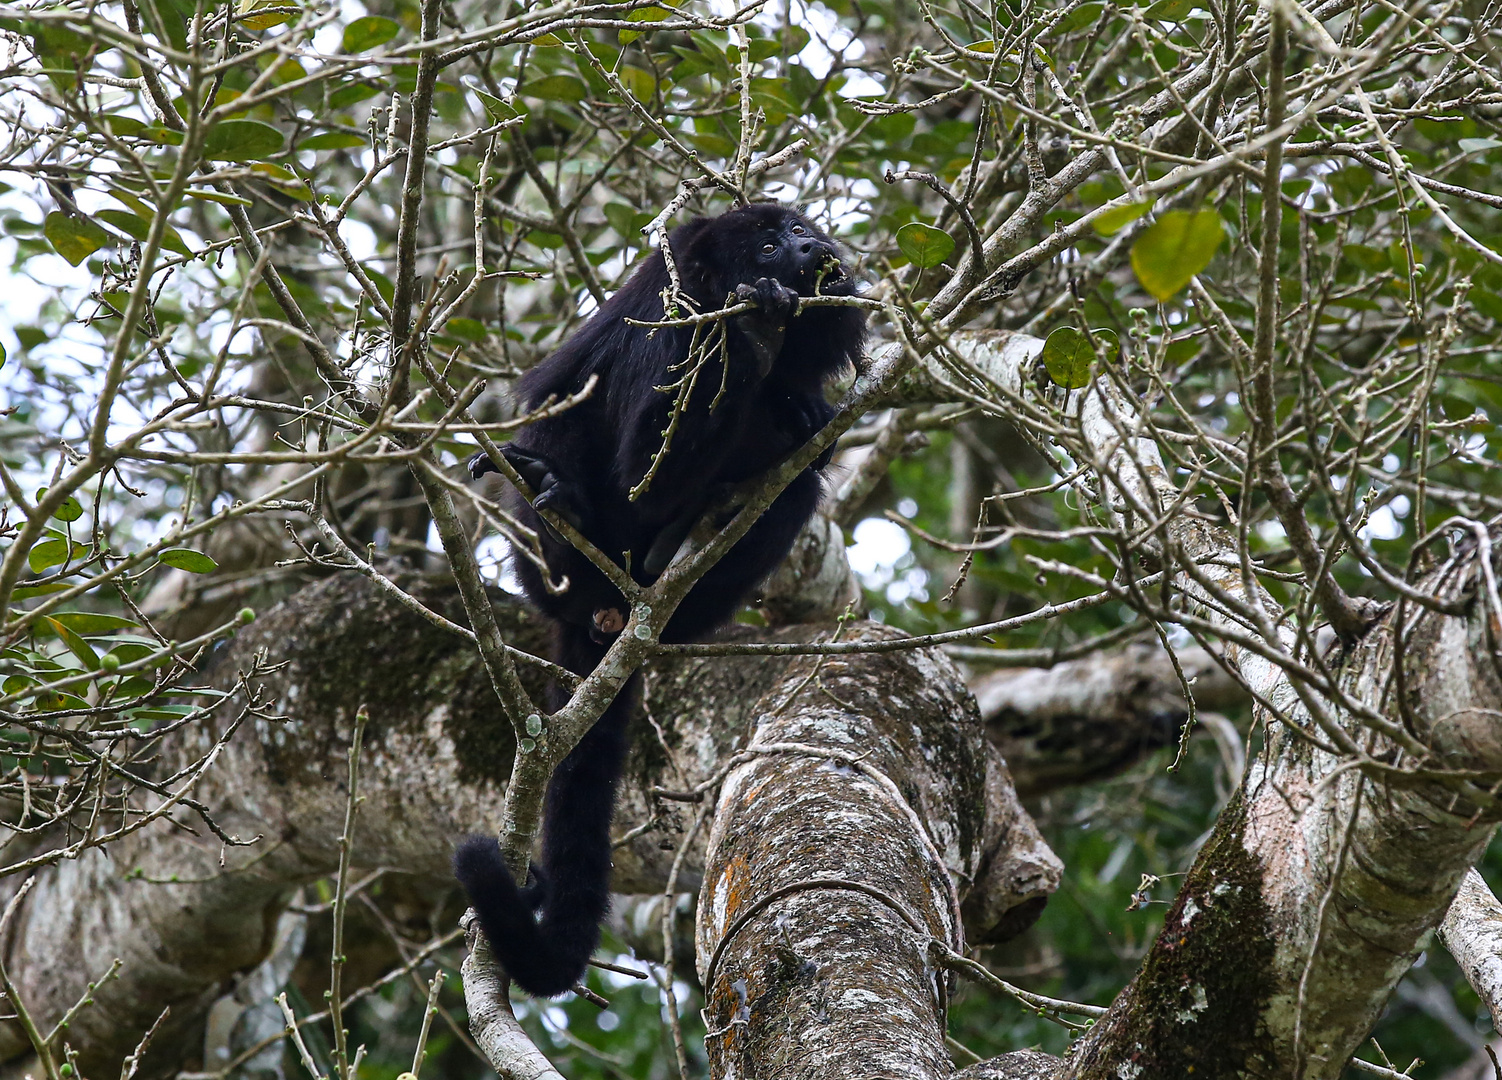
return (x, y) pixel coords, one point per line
(76, 645)
(1081, 17)
(128, 223)
(123, 126)
(56, 701)
(346, 96)
(1372, 260)
(262, 22)
(74, 238)
(1112, 221)
(47, 554)
(70, 510)
(133, 226)
(626, 220)
(332, 140)
(194, 562)
(1473, 146)
(91, 622)
(1067, 355)
(1170, 10)
(498, 108)
(465, 329)
(924, 245)
(556, 88)
(368, 32)
(218, 197)
(638, 83)
(242, 140)
(26, 592)
(1179, 245)
(1487, 303)
(284, 179)
(646, 14)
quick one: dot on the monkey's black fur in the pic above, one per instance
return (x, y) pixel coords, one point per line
(582, 464)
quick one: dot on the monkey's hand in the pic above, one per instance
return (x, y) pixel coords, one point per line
(764, 327)
(554, 493)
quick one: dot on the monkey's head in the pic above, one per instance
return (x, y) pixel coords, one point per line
(763, 240)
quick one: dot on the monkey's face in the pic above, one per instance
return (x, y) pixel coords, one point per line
(797, 254)
(765, 240)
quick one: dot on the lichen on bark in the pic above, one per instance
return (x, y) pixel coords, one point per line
(1195, 1007)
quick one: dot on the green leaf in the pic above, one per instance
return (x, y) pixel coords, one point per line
(1473, 146)
(126, 222)
(1179, 245)
(47, 554)
(924, 245)
(194, 562)
(1112, 221)
(76, 645)
(1170, 10)
(26, 592)
(498, 108)
(242, 140)
(122, 126)
(218, 197)
(638, 83)
(346, 96)
(74, 238)
(556, 88)
(1372, 260)
(627, 221)
(332, 140)
(133, 226)
(1068, 354)
(1081, 17)
(368, 32)
(647, 14)
(1487, 303)
(68, 511)
(91, 622)
(262, 22)
(465, 329)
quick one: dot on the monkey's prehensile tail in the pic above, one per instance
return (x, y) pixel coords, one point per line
(544, 934)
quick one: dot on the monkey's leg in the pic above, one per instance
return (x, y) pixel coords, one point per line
(727, 585)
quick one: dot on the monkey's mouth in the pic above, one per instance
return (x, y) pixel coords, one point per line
(831, 273)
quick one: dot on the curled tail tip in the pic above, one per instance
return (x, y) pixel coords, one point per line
(477, 859)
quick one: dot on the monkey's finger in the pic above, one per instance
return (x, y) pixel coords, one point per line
(480, 464)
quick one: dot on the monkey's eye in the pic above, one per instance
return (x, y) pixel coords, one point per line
(798, 230)
(767, 249)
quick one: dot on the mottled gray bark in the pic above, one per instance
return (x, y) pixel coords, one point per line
(1091, 718)
(868, 793)
(437, 752)
(1472, 932)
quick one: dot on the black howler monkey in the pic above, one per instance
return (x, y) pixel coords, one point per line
(753, 402)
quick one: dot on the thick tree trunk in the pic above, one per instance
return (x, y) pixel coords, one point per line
(868, 793)
(437, 753)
